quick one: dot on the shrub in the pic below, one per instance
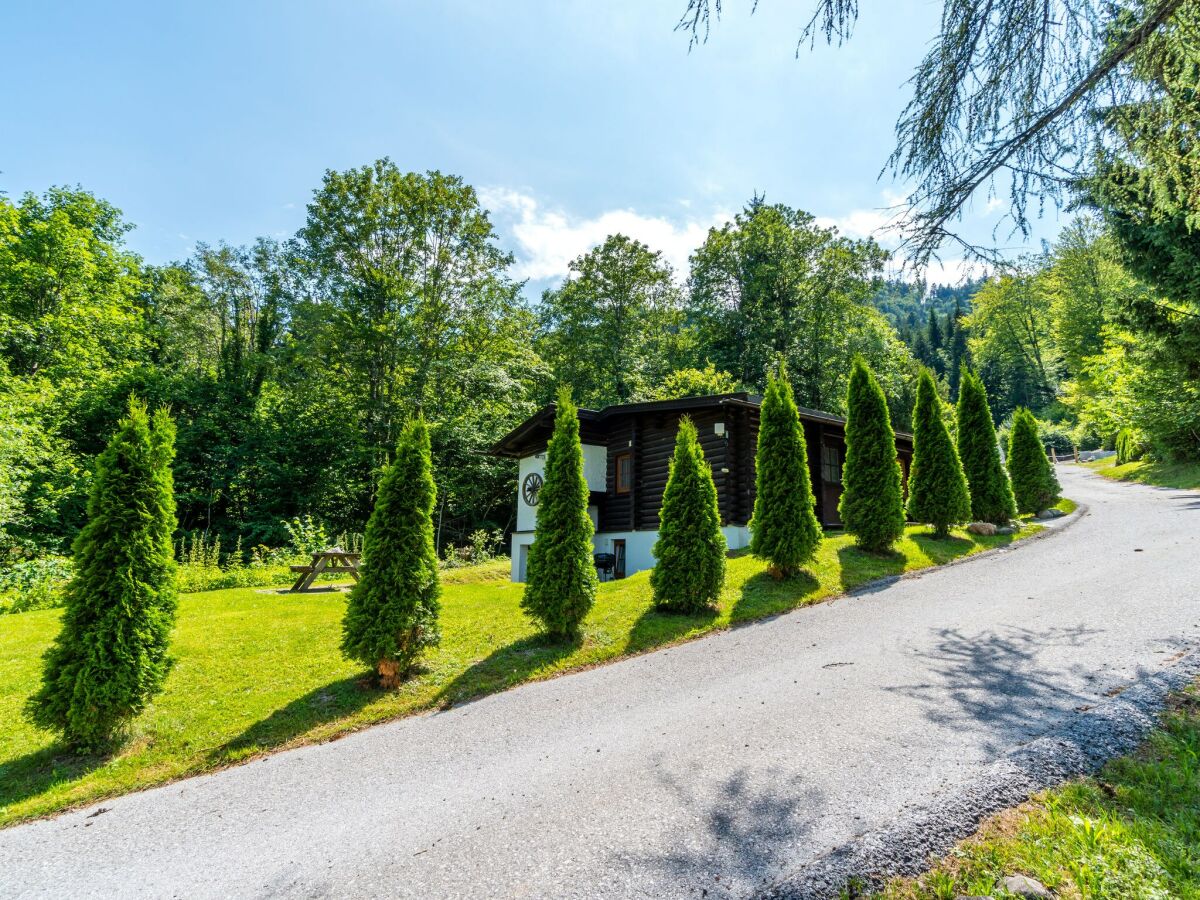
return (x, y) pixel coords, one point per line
(1129, 446)
(110, 658)
(784, 528)
(392, 612)
(991, 492)
(35, 583)
(1034, 484)
(872, 504)
(690, 550)
(937, 488)
(561, 573)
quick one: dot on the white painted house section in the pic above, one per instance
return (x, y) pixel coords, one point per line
(638, 544)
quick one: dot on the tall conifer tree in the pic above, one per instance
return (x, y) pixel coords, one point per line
(561, 573)
(991, 492)
(784, 528)
(1034, 483)
(392, 614)
(690, 551)
(872, 504)
(937, 488)
(110, 658)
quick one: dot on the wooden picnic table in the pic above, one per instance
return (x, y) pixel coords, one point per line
(323, 561)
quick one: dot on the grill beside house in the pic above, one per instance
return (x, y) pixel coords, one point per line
(627, 451)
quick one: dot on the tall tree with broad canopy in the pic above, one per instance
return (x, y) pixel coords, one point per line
(872, 504)
(991, 493)
(774, 284)
(689, 554)
(110, 658)
(392, 614)
(613, 329)
(783, 530)
(561, 576)
(937, 488)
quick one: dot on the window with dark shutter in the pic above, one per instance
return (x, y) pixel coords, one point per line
(624, 468)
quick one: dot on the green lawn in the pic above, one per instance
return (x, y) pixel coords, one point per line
(257, 671)
(1185, 475)
(1132, 831)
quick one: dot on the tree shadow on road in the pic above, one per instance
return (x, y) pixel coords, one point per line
(994, 679)
(738, 837)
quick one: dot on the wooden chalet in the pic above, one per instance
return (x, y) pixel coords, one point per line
(627, 450)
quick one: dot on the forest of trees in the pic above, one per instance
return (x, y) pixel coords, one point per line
(291, 366)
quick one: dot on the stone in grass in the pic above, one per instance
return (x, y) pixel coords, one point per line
(1008, 529)
(1024, 886)
(984, 528)
(1051, 513)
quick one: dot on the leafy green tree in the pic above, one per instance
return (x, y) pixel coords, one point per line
(1034, 484)
(872, 504)
(561, 573)
(690, 551)
(991, 492)
(110, 658)
(614, 328)
(775, 284)
(937, 488)
(691, 383)
(392, 615)
(784, 528)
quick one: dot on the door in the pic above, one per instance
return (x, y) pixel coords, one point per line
(619, 558)
(831, 482)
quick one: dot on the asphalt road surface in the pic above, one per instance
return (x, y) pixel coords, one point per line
(709, 769)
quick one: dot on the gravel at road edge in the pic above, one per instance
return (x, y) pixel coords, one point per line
(1079, 747)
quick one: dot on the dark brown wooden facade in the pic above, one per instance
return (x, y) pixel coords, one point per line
(727, 425)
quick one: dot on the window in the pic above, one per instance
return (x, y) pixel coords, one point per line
(624, 469)
(831, 464)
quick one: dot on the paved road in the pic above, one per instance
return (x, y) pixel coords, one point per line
(703, 770)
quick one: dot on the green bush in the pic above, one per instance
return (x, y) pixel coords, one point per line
(784, 530)
(872, 504)
(392, 612)
(1034, 484)
(1129, 446)
(991, 492)
(690, 551)
(110, 657)
(937, 488)
(561, 573)
(35, 583)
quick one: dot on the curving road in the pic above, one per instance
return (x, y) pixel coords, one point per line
(709, 769)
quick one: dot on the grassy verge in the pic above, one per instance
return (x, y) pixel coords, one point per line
(1185, 475)
(1131, 831)
(257, 671)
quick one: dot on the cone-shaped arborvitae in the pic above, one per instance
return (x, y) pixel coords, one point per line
(561, 573)
(392, 614)
(690, 550)
(110, 658)
(991, 492)
(937, 488)
(1034, 483)
(784, 529)
(872, 504)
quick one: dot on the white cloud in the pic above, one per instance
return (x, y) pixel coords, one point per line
(881, 222)
(547, 240)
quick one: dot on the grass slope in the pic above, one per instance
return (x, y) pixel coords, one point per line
(1131, 831)
(257, 671)
(1183, 475)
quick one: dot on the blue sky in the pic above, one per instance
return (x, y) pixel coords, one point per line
(214, 121)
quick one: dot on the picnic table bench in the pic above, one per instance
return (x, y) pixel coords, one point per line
(323, 562)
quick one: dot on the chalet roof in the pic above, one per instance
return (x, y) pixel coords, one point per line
(519, 437)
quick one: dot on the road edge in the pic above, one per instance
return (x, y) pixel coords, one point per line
(1079, 746)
